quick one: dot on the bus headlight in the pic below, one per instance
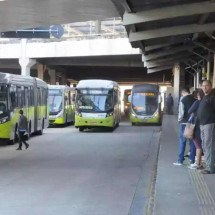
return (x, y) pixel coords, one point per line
(109, 114)
(3, 120)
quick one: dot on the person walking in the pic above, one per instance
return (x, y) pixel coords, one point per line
(197, 133)
(185, 103)
(169, 103)
(22, 128)
(206, 117)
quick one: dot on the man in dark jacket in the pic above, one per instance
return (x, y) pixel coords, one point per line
(185, 103)
(169, 104)
(22, 128)
(206, 117)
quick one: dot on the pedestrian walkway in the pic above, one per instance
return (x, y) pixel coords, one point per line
(179, 190)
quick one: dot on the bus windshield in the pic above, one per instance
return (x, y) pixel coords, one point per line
(144, 103)
(55, 101)
(3, 99)
(92, 103)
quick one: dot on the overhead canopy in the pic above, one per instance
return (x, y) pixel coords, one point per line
(170, 31)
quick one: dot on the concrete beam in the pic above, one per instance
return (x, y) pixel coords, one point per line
(126, 6)
(201, 21)
(166, 63)
(170, 31)
(154, 47)
(165, 53)
(175, 58)
(168, 12)
(158, 69)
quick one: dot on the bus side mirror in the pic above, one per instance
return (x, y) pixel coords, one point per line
(129, 98)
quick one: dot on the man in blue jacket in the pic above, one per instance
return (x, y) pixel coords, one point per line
(185, 103)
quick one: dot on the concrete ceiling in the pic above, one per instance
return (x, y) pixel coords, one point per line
(20, 14)
(179, 30)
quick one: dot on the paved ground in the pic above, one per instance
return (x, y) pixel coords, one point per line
(179, 190)
(90, 173)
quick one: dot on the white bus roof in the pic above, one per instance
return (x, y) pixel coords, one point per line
(59, 87)
(96, 83)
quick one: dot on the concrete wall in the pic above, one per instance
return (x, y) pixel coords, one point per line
(96, 47)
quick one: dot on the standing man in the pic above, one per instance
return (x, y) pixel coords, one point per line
(206, 117)
(169, 103)
(185, 103)
(22, 128)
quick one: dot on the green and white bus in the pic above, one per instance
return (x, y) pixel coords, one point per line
(145, 104)
(26, 93)
(61, 104)
(97, 104)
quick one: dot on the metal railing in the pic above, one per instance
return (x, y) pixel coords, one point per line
(107, 29)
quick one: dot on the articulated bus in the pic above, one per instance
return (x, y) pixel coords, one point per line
(26, 93)
(145, 104)
(97, 104)
(126, 101)
(61, 104)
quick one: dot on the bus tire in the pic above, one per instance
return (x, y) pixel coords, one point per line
(132, 123)
(40, 132)
(81, 129)
(29, 131)
(66, 121)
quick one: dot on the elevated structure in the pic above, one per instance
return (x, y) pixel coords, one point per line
(20, 15)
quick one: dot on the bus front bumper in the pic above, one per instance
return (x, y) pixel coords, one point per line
(5, 130)
(147, 119)
(57, 121)
(94, 122)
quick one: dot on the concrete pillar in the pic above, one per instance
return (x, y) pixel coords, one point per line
(198, 79)
(208, 70)
(176, 93)
(64, 81)
(52, 74)
(25, 62)
(40, 71)
(195, 81)
(213, 81)
(98, 27)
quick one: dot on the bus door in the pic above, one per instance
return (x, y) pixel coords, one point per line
(26, 97)
(39, 109)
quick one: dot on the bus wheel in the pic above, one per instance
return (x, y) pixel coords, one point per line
(81, 129)
(40, 132)
(132, 123)
(29, 132)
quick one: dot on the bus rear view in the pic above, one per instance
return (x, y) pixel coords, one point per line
(145, 104)
(97, 104)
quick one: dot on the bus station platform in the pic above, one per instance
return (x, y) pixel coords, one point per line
(179, 190)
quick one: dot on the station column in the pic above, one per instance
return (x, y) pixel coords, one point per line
(25, 62)
(178, 73)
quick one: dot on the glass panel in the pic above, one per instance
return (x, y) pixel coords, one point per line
(144, 103)
(92, 103)
(55, 101)
(3, 99)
